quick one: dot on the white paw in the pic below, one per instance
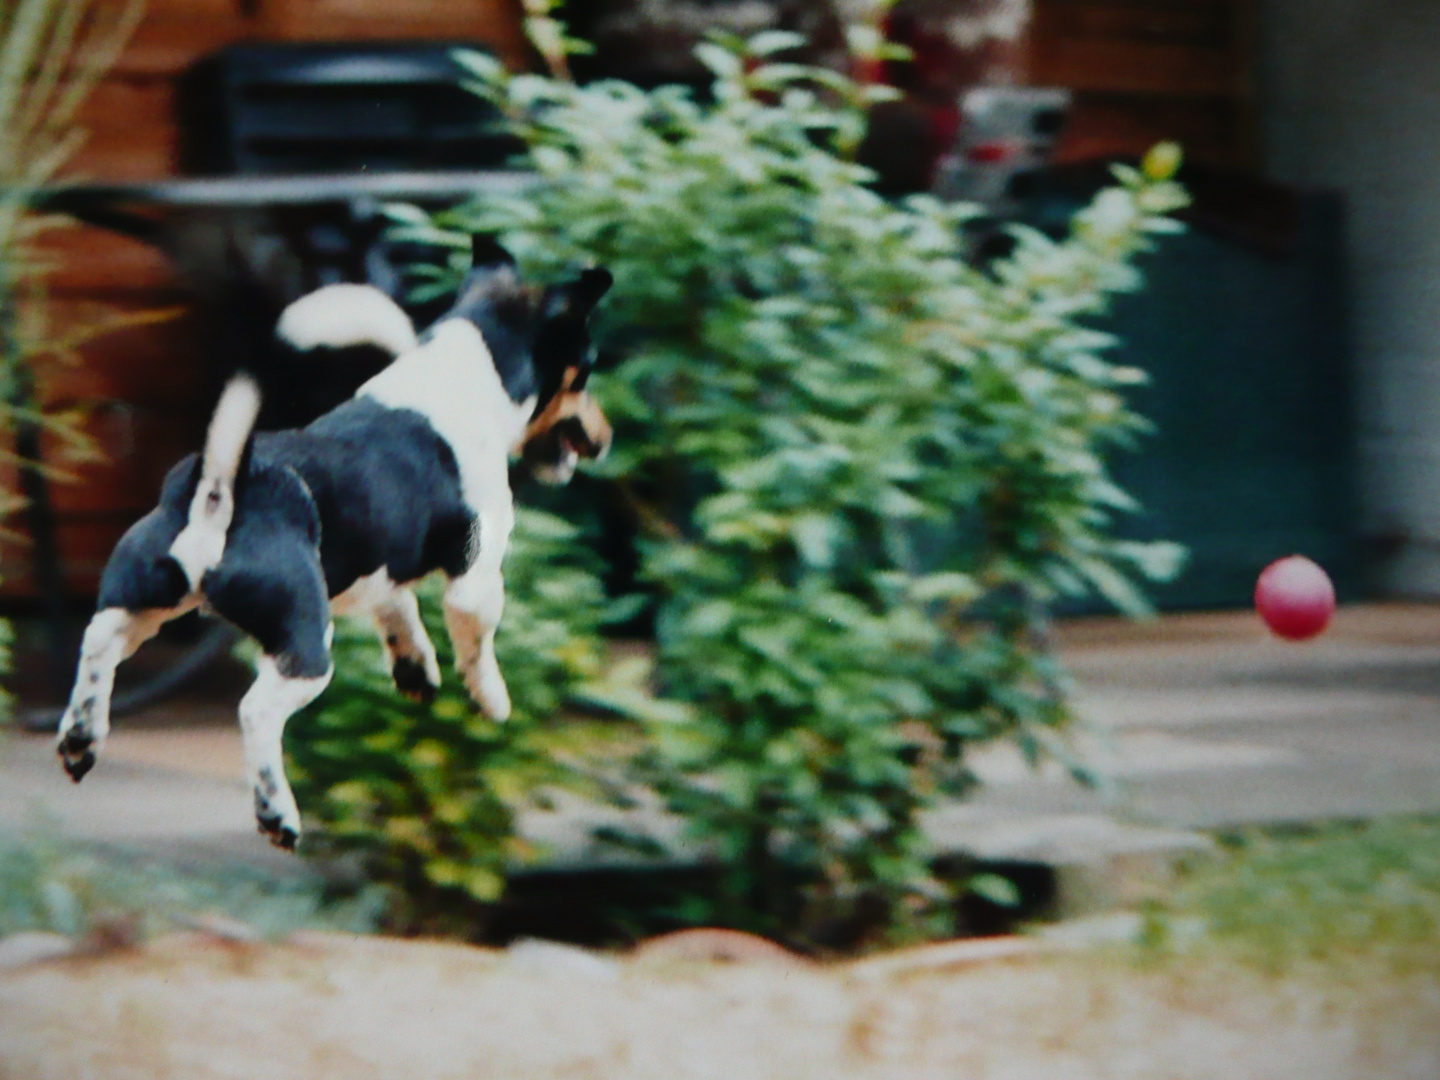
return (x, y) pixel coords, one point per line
(276, 814)
(490, 693)
(82, 734)
(432, 669)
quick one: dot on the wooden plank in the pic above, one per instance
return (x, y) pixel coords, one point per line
(1197, 47)
(139, 446)
(154, 365)
(94, 510)
(85, 544)
(1101, 126)
(1145, 70)
(1205, 24)
(1137, 68)
(93, 262)
(176, 33)
(132, 133)
(497, 23)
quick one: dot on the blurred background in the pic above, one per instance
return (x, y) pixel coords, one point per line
(241, 152)
(1286, 332)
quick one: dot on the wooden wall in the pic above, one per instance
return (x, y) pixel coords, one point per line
(1147, 70)
(149, 375)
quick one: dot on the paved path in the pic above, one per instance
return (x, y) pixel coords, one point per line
(1201, 721)
(1206, 722)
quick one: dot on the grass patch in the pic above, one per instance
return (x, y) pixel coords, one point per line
(55, 883)
(1366, 895)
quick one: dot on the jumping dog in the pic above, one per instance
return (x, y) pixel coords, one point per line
(276, 532)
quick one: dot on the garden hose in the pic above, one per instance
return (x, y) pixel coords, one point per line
(215, 643)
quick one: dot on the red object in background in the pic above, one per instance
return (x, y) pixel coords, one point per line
(994, 153)
(934, 78)
(1295, 598)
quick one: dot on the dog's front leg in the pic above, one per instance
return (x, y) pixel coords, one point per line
(473, 606)
(474, 603)
(413, 664)
(265, 708)
(112, 636)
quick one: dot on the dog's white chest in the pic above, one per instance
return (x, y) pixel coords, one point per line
(451, 380)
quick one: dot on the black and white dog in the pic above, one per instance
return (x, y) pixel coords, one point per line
(276, 532)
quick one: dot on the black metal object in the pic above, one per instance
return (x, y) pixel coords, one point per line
(247, 246)
(278, 109)
(215, 643)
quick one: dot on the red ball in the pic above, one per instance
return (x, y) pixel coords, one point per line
(1295, 598)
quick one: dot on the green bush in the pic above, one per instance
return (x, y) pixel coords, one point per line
(425, 796)
(860, 467)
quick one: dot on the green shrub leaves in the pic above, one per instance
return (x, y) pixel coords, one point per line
(860, 468)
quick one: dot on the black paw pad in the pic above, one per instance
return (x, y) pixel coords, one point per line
(282, 836)
(77, 767)
(76, 753)
(411, 680)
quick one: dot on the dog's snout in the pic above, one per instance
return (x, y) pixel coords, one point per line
(598, 433)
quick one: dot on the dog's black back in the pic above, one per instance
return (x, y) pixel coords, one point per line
(367, 486)
(386, 490)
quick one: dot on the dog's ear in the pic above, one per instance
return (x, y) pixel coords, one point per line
(576, 299)
(592, 286)
(485, 251)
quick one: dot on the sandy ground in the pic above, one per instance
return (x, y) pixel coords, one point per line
(353, 1008)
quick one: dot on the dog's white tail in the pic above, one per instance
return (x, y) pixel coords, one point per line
(201, 544)
(343, 316)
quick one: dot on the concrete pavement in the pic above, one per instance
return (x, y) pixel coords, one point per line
(1201, 722)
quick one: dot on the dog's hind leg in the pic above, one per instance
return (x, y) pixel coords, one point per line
(407, 646)
(268, 704)
(112, 636)
(140, 590)
(271, 586)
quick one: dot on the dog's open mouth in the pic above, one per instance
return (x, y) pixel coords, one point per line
(553, 455)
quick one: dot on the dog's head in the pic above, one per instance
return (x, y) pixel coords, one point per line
(540, 340)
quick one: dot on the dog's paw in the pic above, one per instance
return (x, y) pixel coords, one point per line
(413, 680)
(274, 825)
(78, 767)
(282, 836)
(77, 753)
(490, 693)
(274, 829)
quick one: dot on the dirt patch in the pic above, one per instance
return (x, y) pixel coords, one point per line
(353, 1008)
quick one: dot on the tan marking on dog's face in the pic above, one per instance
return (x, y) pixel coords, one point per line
(578, 406)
